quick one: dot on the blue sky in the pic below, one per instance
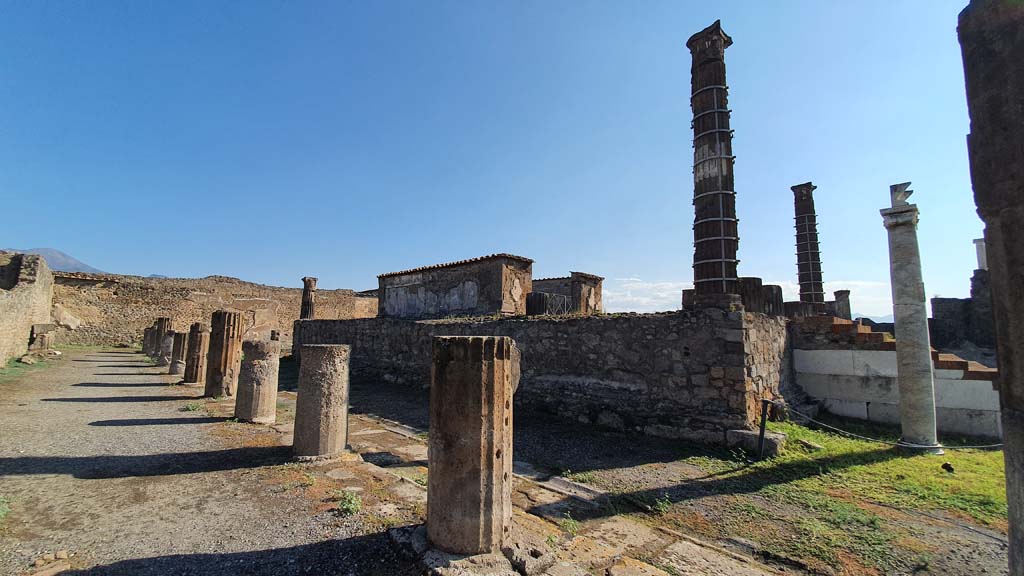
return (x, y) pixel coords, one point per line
(274, 140)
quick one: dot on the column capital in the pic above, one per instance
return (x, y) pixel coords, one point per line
(803, 191)
(905, 215)
(710, 43)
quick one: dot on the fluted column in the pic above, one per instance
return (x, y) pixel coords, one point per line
(225, 354)
(469, 489)
(914, 378)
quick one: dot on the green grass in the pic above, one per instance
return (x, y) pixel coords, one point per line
(5, 508)
(14, 369)
(835, 490)
(581, 477)
(191, 407)
(569, 524)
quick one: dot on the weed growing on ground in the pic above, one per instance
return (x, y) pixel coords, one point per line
(348, 502)
(663, 504)
(5, 508)
(569, 524)
(581, 477)
(308, 480)
(191, 407)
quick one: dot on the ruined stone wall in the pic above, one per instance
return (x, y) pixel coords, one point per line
(114, 309)
(678, 374)
(26, 294)
(482, 287)
(958, 320)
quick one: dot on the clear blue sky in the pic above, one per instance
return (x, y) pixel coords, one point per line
(273, 140)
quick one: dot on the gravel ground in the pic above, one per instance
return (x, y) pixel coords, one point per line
(98, 459)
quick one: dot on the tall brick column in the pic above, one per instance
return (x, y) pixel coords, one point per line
(257, 382)
(321, 408)
(178, 353)
(715, 230)
(469, 490)
(308, 311)
(808, 253)
(914, 375)
(195, 356)
(992, 41)
(225, 354)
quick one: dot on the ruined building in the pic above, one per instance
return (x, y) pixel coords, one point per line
(26, 293)
(959, 323)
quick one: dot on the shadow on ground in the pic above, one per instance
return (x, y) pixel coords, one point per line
(159, 421)
(120, 466)
(369, 555)
(121, 384)
(122, 399)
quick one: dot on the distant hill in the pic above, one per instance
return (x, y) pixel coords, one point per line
(60, 261)
(887, 319)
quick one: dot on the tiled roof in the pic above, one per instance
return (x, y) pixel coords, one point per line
(458, 263)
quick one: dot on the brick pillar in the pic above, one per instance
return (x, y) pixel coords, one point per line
(773, 303)
(257, 382)
(715, 230)
(752, 294)
(469, 491)
(992, 42)
(808, 252)
(308, 311)
(195, 356)
(321, 408)
(914, 374)
(225, 354)
(178, 353)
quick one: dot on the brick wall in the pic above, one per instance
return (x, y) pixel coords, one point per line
(26, 292)
(685, 374)
(115, 309)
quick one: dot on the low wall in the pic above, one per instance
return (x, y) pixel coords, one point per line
(862, 384)
(114, 309)
(852, 371)
(688, 374)
(26, 293)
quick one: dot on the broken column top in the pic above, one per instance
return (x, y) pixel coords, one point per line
(710, 42)
(803, 191)
(309, 282)
(901, 212)
(899, 194)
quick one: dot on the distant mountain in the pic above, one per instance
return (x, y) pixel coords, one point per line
(60, 261)
(887, 319)
(156, 276)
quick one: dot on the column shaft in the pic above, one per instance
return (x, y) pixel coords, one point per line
(178, 353)
(992, 42)
(913, 347)
(225, 354)
(321, 408)
(469, 489)
(195, 357)
(257, 382)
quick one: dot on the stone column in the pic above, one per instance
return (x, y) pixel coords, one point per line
(257, 382)
(308, 311)
(195, 356)
(843, 309)
(147, 341)
(321, 408)
(715, 226)
(225, 354)
(979, 248)
(178, 353)
(751, 291)
(773, 304)
(163, 357)
(808, 251)
(469, 490)
(162, 326)
(913, 348)
(992, 42)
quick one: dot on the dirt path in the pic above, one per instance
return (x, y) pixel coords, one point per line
(96, 458)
